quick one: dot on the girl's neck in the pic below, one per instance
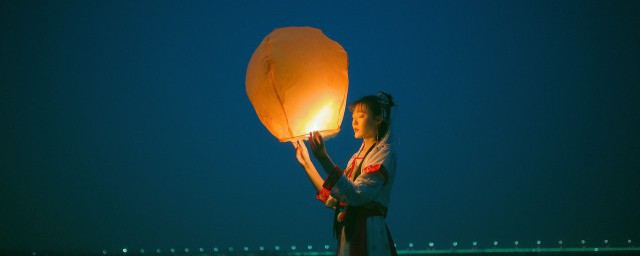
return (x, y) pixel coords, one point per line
(368, 142)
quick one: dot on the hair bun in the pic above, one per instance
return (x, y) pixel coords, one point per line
(386, 99)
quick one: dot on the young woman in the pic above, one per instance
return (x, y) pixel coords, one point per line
(360, 194)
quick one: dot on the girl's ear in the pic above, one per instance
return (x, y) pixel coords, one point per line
(378, 120)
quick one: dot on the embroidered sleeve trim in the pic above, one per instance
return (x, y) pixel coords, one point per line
(371, 168)
(374, 168)
(323, 195)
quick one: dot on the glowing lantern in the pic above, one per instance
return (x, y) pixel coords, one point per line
(297, 81)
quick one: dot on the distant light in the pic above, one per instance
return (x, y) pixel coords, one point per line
(411, 245)
(104, 252)
(34, 253)
(173, 250)
(326, 247)
(230, 249)
(215, 249)
(629, 241)
(141, 250)
(186, 249)
(201, 249)
(246, 248)
(431, 244)
(538, 242)
(516, 242)
(560, 242)
(495, 242)
(595, 249)
(583, 241)
(395, 245)
(262, 248)
(309, 247)
(455, 243)
(293, 247)
(277, 248)
(475, 243)
(124, 250)
(158, 250)
(606, 241)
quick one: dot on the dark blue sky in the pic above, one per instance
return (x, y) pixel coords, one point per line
(126, 123)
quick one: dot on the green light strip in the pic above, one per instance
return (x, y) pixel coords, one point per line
(312, 253)
(504, 250)
(512, 250)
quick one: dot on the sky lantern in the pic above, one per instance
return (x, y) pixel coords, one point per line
(297, 81)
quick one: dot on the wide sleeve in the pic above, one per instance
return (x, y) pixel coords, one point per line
(375, 174)
(324, 195)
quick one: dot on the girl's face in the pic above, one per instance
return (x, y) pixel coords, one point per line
(364, 123)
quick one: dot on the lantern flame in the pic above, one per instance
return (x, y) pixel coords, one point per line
(320, 118)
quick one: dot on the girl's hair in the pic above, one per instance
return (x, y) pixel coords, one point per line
(379, 105)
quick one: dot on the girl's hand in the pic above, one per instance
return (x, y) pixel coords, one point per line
(317, 146)
(301, 153)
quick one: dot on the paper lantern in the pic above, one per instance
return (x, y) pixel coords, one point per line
(297, 81)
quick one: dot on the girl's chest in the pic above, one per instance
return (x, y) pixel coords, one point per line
(353, 169)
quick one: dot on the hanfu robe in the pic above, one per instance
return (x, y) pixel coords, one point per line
(371, 188)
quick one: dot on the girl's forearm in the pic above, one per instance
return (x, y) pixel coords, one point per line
(327, 164)
(314, 176)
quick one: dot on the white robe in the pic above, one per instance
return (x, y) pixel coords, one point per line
(373, 184)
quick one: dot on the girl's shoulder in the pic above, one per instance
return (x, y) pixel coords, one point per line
(383, 152)
(384, 148)
(383, 155)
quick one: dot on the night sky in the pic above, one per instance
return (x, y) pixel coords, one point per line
(126, 123)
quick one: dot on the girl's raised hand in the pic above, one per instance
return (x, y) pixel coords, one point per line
(301, 153)
(317, 146)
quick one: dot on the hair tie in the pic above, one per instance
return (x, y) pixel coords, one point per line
(383, 99)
